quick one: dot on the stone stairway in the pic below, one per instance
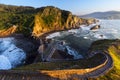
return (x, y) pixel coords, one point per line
(49, 51)
(38, 75)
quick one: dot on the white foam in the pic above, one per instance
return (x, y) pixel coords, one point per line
(73, 31)
(53, 35)
(100, 36)
(13, 55)
(85, 28)
(4, 63)
(73, 52)
(111, 31)
(85, 37)
(4, 43)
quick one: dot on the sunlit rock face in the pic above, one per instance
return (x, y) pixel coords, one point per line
(37, 21)
(10, 55)
(8, 32)
(49, 19)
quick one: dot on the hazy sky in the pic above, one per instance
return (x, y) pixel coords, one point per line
(75, 6)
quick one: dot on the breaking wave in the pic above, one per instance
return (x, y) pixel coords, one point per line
(10, 55)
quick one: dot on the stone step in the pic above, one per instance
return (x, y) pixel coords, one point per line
(3, 77)
(28, 78)
(18, 77)
(13, 77)
(10, 78)
(33, 78)
(7, 77)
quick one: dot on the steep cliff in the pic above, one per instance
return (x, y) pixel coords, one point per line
(8, 32)
(51, 18)
(36, 22)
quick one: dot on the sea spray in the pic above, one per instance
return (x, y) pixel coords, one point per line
(10, 55)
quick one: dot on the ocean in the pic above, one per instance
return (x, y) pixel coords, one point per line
(78, 42)
(81, 39)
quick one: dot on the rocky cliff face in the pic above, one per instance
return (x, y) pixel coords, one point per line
(36, 22)
(8, 32)
(53, 19)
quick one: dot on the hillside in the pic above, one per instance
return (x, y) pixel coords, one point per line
(113, 48)
(37, 21)
(9, 31)
(103, 15)
(79, 69)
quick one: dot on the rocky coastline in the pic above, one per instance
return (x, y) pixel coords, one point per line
(40, 22)
(32, 42)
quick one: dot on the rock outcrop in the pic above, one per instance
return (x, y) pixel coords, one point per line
(50, 19)
(36, 22)
(95, 27)
(8, 32)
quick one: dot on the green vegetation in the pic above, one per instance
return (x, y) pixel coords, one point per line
(19, 16)
(42, 20)
(111, 46)
(79, 64)
(48, 19)
(37, 21)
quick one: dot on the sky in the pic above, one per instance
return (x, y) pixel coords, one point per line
(78, 7)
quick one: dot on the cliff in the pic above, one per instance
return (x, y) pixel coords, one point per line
(108, 56)
(51, 18)
(37, 21)
(8, 32)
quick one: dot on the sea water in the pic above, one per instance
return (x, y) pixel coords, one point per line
(10, 55)
(83, 37)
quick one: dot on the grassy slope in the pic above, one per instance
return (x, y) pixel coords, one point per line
(114, 74)
(44, 19)
(112, 46)
(40, 20)
(79, 64)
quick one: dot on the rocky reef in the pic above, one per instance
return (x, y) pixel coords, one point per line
(95, 27)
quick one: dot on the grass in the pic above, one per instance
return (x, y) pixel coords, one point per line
(112, 46)
(78, 64)
(114, 74)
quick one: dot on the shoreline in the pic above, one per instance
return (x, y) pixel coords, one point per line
(47, 33)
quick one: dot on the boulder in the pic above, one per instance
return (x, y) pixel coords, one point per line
(95, 27)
